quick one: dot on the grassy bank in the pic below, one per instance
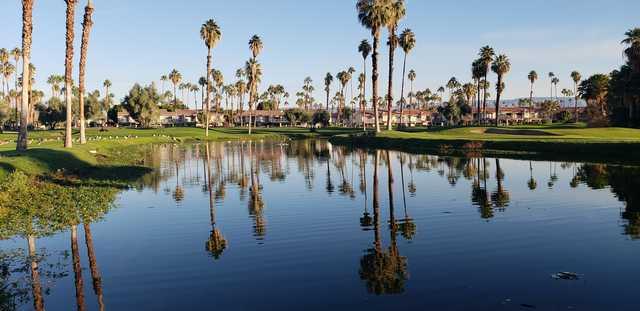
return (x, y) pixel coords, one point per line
(111, 154)
(563, 142)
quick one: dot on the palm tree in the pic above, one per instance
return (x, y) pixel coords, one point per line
(16, 53)
(486, 57)
(210, 34)
(453, 85)
(351, 71)
(412, 77)
(241, 86)
(576, 77)
(500, 66)
(27, 29)
(175, 77)
(254, 76)
(632, 51)
(551, 76)
(365, 49)
(477, 71)
(218, 79)
(86, 30)
(107, 96)
(163, 80)
(397, 12)
(68, 72)
(407, 43)
(555, 82)
(327, 88)
(256, 46)
(373, 15)
(533, 76)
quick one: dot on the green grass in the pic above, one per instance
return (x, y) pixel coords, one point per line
(110, 155)
(561, 142)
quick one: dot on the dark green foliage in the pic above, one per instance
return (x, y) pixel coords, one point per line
(321, 117)
(142, 104)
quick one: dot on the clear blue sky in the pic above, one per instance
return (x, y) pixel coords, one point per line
(137, 41)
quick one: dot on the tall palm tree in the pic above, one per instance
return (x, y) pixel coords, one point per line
(407, 43)
(477, 71)
(373, 15)
(254, 76)
(163, 80)
(351, 71)
(210, 34)
(175, 77)
(551, 77)
(632, 51)
(555, 81)
(500, 66)
(397, 12)
(327, 88)
(486, 56)
(576, 77)
(412, 77)
(343, 78)
(533, 76)
(16, 53)
(87, 23)
(218, 79)
(365, 49)
(27, 29)
(68, 71)
(254, 71)
(107, 88)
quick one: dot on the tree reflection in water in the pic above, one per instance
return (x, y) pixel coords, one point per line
(32, 209)
(384, 272)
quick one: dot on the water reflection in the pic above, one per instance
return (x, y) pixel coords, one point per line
(33, 209)
(250, 178)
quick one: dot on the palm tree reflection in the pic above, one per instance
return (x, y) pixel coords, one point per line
(385, 273)
(216, 244)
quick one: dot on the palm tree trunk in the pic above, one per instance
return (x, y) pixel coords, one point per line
(404, 68)
(499, 92)
(38, 301)
(374, 77)
(27, 29)
(363, 109)
(207, 98)
(390, 85)
(575, 90)
(86, 30)
(478, 103)
(68, 142)
(93, 265)
(484, 93)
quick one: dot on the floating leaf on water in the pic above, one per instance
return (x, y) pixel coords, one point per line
(570, 276)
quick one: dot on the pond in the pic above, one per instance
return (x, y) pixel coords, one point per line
(292, 225)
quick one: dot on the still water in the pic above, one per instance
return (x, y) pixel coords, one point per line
(293, 225)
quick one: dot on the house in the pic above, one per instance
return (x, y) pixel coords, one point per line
(510, 115)
(178, 117)
(261, 118)
(125, 119)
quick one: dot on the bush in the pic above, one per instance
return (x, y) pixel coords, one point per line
(321, 117)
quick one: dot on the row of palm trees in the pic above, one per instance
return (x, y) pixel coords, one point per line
(27, 30)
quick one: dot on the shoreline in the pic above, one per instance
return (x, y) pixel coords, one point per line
(111, 155)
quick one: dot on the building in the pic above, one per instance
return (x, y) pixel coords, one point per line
(261, 118)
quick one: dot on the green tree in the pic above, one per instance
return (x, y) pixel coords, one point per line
(374, 15)
(396, 13)
(210, 34)
(533, 76)
(407, 43)
(68, 71)
(595, 90)
(27, 29)
(86, 30)
(486, 56)
(141, 103)
(500, 66)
